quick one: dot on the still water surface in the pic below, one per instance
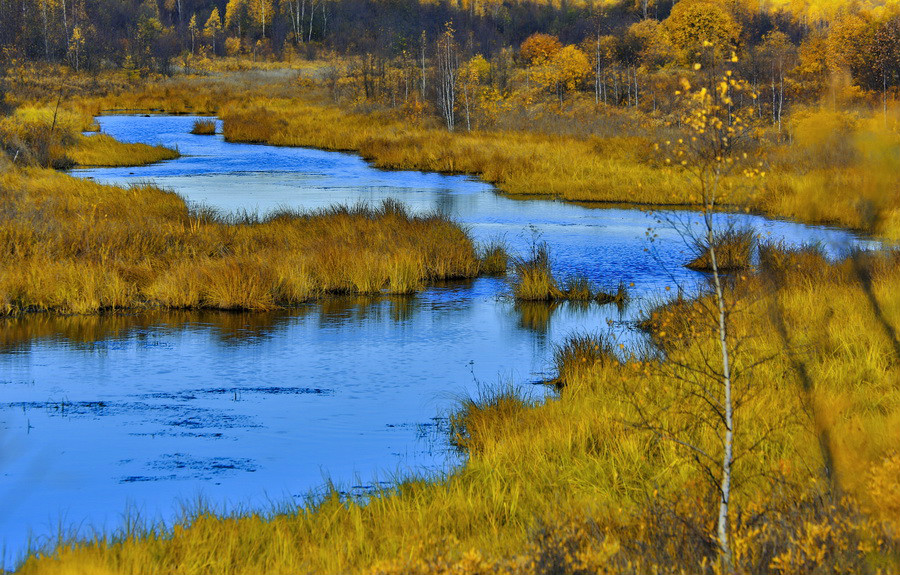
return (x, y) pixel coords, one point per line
(144, 414)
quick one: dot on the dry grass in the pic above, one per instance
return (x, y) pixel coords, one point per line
(104, 150)
(812, 179)
(734, 249)
(204, 127)
(567, 486)
(493, 258)
(534, 282)
(74, 246)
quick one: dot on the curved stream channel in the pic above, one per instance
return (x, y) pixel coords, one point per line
(142, 415)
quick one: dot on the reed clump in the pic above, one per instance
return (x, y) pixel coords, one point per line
(204, 127)
(534, 281)
(578, 355)
(493, 258)
(734, 249)
(74, 246)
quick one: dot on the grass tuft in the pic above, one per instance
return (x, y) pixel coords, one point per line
(493, 258)
(578, 356)
(733, 248)
(204, 127)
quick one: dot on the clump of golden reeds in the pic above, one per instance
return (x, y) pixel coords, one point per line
(204, 127)
(578, 355)
(534, 282)
(734, 249)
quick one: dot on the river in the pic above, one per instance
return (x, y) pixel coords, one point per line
(140, 417)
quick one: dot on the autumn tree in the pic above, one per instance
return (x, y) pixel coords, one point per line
(76, 46)
(237, 17)
(871, 49)
(601, 52)
(567, 68)
(697, 27)
(193, 30)
(778, 54)
(261, 13)
(212, 30)
(717, 135)
(471, 76)
(539, 48)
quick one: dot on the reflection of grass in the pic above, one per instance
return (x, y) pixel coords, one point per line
(535, 315)
(75, 246)
(204, 127)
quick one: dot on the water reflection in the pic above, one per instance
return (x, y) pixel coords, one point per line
(228, 328)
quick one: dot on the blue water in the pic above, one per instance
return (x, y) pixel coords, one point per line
(143, 414)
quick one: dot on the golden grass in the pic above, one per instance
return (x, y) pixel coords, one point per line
(571, 484)
(568, 485)
(74, 246)
(494, 258)
(104, 150)
(204, 127)
(859, 191)
(601, 170)
(534, 282)
(734, 249)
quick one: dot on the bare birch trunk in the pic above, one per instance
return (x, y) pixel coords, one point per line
(722, 526)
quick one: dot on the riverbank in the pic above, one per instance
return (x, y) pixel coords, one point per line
(573, 483)
(835, 168)
(622, 169)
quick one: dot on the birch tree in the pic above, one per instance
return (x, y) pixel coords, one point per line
(447, 71)
(779, 54)
(714, 145)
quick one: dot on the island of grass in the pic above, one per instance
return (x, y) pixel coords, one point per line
(534, 282)
(204, 127)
